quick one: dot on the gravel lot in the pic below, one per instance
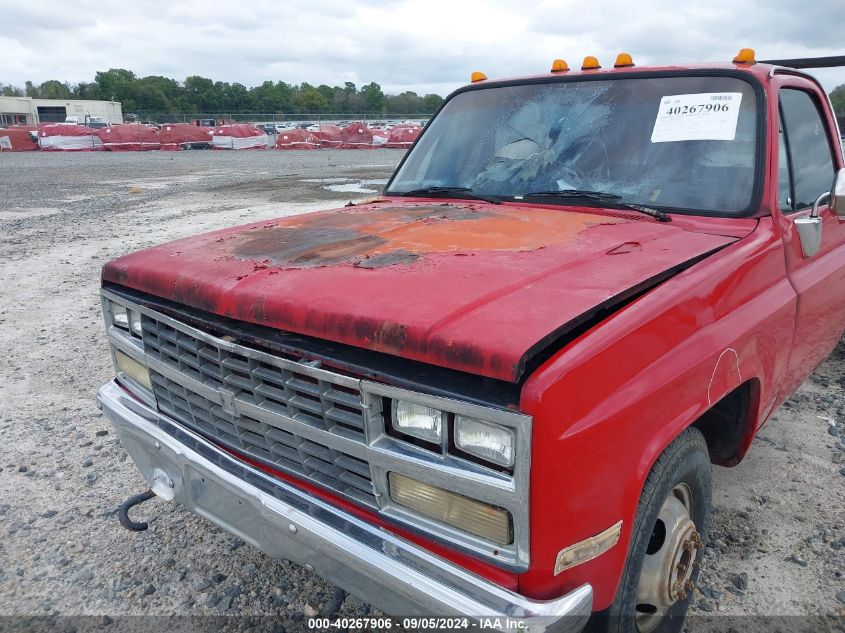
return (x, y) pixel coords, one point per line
(778, 546)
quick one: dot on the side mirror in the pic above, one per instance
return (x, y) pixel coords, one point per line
(809, 229)
(837, 194)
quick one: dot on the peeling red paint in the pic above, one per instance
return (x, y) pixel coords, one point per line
(469, 286)
(627, 247)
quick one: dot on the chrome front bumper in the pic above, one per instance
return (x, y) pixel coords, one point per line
(385, 570)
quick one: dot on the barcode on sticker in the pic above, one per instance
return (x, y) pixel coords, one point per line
(707, 116)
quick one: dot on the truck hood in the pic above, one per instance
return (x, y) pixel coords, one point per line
(475, 287)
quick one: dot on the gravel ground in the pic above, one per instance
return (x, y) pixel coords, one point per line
(778, 543)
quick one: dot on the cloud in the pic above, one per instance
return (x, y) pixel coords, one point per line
(18, 19)
(420, 45)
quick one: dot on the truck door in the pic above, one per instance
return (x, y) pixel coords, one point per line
(807, 158)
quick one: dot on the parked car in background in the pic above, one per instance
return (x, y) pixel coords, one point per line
(93, 122)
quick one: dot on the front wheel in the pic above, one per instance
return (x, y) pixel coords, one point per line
(670, 530)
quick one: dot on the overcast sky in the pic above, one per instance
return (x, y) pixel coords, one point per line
(421, 45)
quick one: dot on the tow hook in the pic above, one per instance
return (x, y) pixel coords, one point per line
(131, 502)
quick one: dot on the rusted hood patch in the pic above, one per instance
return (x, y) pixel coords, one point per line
(386, 236)
(473, 287)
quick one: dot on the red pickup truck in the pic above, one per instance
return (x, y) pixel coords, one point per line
(497, 390)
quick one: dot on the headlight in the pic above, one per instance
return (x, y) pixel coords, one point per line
(119, 315)
(125, 318)
(417, 420)
(135, 322)
(475, 517)
(131, 368)
(488, 441)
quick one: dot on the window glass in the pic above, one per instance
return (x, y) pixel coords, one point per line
(809, 147)
(784, 179)
(684, 143)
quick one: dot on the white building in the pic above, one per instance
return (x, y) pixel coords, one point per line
(29, 111)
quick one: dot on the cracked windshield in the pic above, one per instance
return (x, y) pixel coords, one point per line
(676, 143)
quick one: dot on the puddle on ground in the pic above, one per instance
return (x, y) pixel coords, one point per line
(325, 181)
(17, 213)
(361, 186)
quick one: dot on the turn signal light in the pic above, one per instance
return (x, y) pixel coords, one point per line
(486, 521)
(623, 60)
(477, 76)
(588, 549)
(559, 66)
(745, 56)
(590, 63)
(133, 369)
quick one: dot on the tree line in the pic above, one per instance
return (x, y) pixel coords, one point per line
(837, 100)
(161, 95)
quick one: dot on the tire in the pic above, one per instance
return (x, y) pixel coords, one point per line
(681, 474)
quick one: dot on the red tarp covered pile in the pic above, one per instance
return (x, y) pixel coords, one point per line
(329, 135)
(67, 137)
(239, 136)
(129, 137)
(16, 140)
(402, 136)
(297, 139)
(356, 136)
(32, 129)
(380, 137)
(176, 136)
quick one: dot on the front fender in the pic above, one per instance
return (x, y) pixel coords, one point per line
(608, 403)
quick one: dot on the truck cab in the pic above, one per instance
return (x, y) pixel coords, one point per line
(496, 391)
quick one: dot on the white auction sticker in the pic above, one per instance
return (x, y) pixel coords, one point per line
(709, 116)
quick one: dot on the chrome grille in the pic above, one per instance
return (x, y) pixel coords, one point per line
(266, 407)
(326, 428)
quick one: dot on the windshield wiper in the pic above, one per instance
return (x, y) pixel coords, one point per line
(611, 199)
(449, 192)
(573, 193)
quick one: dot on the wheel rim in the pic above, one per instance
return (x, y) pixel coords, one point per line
(670, 560)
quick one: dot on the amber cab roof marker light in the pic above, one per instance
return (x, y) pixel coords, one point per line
(745, 56)
(624, 60)
(590, 63)
(477, 76)
(559, 66)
